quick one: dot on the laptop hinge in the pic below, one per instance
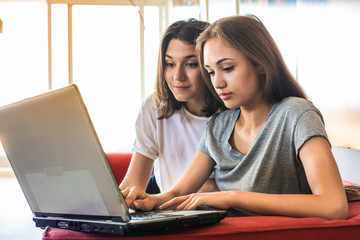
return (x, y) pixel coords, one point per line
(116, 219)
(39, 214)
(43, 215)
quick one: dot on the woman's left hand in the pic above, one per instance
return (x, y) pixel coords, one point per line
(219, 200)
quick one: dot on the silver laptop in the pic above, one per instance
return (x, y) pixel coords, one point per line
(63, 171)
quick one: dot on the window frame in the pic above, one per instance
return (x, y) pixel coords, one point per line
(163, 21)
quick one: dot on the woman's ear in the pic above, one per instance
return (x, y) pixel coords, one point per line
(260, 69)
(261, 73)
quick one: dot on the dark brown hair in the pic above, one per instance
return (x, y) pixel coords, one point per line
(166, 103)
(249, 36)
(352, 192)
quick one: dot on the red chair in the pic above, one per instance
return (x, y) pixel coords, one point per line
(119, 163)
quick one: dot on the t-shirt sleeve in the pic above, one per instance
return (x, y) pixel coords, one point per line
(203, 144)
(309, 124)
(145, 127)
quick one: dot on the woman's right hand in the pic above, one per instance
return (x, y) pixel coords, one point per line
(137, 199)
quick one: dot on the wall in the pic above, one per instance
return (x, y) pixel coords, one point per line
(348, 161)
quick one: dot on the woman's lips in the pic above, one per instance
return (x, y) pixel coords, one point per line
(181, 88)
(225, 96)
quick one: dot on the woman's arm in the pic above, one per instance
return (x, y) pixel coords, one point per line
(191, 180)
(327, 201)
(209, 186)
(138, 173)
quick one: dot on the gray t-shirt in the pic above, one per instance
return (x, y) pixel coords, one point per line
(272, 165)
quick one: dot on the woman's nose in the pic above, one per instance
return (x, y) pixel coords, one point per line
(179, 74)
(218, 82)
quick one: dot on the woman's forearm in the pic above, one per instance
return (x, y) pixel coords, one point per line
(138, 173)
(295, 205)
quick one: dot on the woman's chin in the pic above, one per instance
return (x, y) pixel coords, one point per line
(230, 105)
(180, 98)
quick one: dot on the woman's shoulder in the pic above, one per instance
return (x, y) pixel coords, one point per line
(224, 117)
(296, 105)
(148, 107)
(221, 124)
(149, 101)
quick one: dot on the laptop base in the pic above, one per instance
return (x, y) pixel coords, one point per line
(126, 229)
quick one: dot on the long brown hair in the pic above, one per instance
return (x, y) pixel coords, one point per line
(352, 192)
(248, 35)
(166, 103)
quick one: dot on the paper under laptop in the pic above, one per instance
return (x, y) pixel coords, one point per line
(63, 171)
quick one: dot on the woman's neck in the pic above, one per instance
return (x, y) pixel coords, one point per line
(196, 108)
(252, 118)
(248, 126)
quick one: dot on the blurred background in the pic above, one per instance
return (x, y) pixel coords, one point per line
(109, 48)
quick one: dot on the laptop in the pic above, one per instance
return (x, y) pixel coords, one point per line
(65, 176)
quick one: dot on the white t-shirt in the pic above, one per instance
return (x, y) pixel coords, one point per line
(172, 141)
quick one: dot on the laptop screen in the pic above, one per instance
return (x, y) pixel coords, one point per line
(57, 157)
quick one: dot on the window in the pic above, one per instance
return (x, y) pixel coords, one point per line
(113, 64)
(221, 8)
(23, 51)
(182, 10)
(23, 57)
(151, 46)
(106, 62)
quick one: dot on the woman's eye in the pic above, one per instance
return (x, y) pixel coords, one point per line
(228, 69)
(211, 73)
(168, 64)
(192, 65)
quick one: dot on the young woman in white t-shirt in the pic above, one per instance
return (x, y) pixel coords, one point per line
(172, 120)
